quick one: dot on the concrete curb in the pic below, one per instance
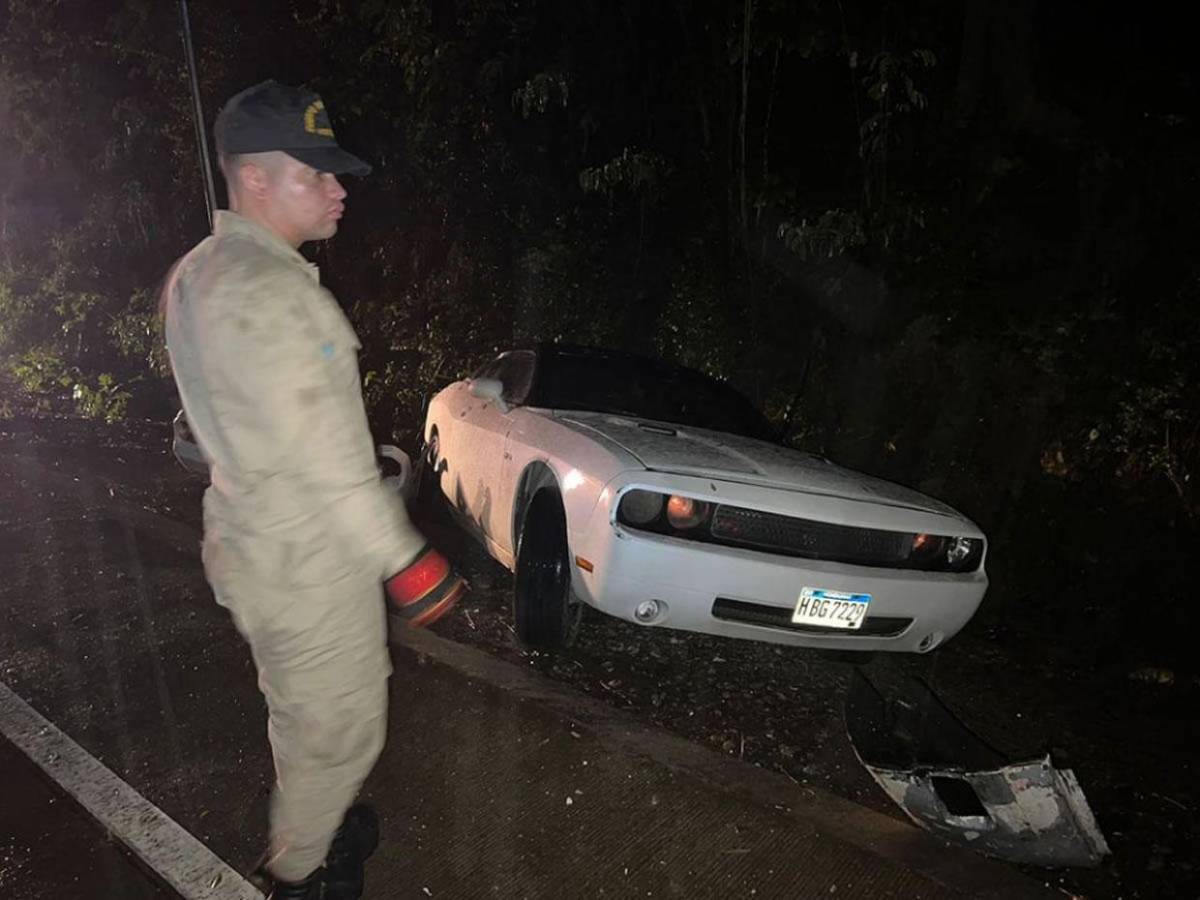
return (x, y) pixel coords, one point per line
(182, 861)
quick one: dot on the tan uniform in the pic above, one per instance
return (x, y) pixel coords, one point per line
(299, 532)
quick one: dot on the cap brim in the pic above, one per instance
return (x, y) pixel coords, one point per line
(330, 159)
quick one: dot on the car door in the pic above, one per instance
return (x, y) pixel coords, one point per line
(457, 472)
(481, 431)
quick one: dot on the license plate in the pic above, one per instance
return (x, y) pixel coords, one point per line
(831, 609)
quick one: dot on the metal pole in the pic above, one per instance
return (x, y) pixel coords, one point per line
(210, 192)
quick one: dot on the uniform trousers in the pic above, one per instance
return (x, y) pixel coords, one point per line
(318, 632)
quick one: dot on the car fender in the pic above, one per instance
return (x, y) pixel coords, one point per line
(436, 413)
(543, 453)
(537, 475)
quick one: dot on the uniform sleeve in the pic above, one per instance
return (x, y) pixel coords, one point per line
(294, 410)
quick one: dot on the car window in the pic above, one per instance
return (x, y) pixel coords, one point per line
(648, 389)
(516, 372)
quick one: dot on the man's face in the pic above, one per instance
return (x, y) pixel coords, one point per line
(302, 203)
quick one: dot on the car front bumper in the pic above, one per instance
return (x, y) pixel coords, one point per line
(748, 594)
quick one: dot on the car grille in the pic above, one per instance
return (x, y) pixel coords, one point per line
(778, 617)
(811, 539)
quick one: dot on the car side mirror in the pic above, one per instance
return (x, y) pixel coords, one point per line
(491, 389)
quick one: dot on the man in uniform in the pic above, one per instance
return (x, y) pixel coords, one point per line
(301, 538)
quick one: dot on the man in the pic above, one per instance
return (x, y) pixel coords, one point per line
(299, 531)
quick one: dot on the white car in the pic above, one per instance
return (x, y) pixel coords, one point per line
(395, 467)
(659, 495)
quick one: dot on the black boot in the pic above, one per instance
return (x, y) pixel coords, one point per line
(323, 884)
(311, 888)
(341, 878)
(355, 840)
(358, 835)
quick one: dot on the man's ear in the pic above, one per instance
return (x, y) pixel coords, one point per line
(255, 179)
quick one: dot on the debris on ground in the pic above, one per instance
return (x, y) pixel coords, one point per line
(951, 783)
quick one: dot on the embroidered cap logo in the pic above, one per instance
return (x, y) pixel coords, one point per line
(312, 124)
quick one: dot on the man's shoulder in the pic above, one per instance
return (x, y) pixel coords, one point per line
(248, 263)
(232, 292)
(232, 269)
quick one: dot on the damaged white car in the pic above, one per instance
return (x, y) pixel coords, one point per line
(395, 467)
(656, 494)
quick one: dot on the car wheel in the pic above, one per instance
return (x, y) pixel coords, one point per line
(545, 612)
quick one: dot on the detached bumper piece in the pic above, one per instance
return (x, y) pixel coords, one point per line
(954, 785)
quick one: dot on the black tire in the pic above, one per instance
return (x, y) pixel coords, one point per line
(543, 610)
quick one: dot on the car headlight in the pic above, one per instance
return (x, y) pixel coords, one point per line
(664, 513)
(685, 513)
(961, 549)
(640, 507)
(953, 554)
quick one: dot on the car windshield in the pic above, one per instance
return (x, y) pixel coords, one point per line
(646, 389)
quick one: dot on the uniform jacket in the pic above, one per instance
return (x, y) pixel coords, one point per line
(267, 369)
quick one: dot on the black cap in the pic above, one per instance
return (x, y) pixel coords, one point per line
(274, 116)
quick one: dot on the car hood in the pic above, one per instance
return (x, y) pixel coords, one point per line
(727, 457)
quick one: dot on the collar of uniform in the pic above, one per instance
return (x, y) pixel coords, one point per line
(227, 222)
